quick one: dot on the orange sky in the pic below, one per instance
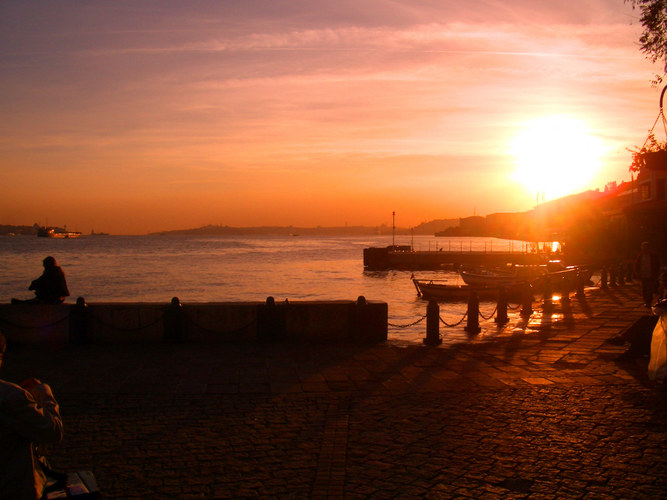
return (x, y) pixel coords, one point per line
(130, 117)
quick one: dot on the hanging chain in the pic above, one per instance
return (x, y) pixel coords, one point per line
(490, 316)
(393, 325)
(454, 324)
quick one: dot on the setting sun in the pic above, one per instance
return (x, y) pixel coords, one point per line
(556, 156)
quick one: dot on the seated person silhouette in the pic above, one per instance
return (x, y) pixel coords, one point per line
(50, 287)
(29, 416)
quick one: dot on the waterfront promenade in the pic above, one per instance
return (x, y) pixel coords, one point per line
(538, 409)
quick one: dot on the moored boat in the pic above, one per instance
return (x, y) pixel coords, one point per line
(482, 277)
(553, 274)
(441, 290)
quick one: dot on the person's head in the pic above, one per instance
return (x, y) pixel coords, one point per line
(49, 262)
(3, 346)
(645, 246)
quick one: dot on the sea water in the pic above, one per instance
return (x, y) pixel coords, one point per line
(230, 269)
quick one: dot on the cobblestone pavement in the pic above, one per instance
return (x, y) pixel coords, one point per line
(537, 409)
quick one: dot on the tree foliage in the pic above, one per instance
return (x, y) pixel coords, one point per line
(654, 37)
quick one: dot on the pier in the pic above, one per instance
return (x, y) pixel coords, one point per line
(405, 258)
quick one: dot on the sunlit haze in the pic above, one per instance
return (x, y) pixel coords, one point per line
(556, 156)
(130, 117)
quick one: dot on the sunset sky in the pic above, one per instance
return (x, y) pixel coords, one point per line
(129, 117)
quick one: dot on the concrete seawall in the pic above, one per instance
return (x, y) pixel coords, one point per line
(322, 321)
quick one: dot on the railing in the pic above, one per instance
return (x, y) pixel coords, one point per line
(610, 276)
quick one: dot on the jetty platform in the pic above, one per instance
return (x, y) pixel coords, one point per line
(406, 258)
(541, 408)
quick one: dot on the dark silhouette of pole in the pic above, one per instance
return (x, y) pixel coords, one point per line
(432, 323)
(78, 322)
(173, 321)
(547, 292)
(502, 318)
(527, 302)
(473, 315)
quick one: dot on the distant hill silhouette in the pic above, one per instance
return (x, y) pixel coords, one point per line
(10, 229)
(428, 228)
(219, 230)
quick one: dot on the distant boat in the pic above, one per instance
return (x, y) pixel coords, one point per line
(51, 232)
(93, 233)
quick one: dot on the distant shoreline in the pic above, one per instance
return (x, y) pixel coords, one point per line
(426, 228)
(288, 231)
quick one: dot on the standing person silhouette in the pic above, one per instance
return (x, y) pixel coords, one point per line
(647, 269)
(28, 416)
(50, 287)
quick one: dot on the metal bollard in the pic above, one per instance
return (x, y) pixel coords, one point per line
(612, 276)
(502, 318)
(271, 321)
(547, 295)
(565, 292)
(527, 302)
(580, 286)
(78, 322)
(432, 324)
(173, 321)
(473, 315)
(603, 278)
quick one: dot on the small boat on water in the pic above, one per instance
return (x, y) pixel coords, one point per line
(51, 232)
(554, 273)
(442, 290)
(495, 278)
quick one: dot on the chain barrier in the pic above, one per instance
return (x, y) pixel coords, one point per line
(514, 308)
(393, 325)
(36, 327)
(453, 324)
(128, 329)
(215, 332)
(491, 316)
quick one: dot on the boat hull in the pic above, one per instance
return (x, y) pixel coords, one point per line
(430, 289)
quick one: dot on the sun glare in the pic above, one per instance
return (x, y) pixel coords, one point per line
(556, 156)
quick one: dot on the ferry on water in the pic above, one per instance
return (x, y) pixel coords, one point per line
(52, 232)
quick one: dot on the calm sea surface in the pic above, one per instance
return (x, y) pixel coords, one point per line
(222, 269)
